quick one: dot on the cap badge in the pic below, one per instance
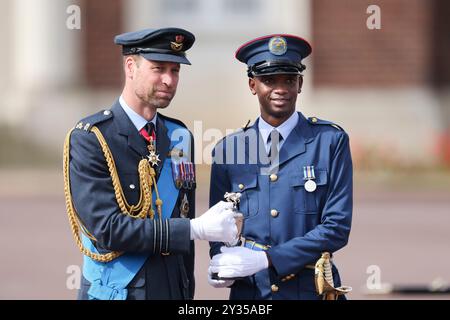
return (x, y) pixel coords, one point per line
(179, 38)
(277, 46)
(178, 44)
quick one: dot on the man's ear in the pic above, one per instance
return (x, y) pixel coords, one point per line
(251, 85)
(300, 83)
(129, 66)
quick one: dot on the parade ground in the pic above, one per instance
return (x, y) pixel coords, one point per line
(400, 235)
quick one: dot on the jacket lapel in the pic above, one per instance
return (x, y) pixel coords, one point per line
(162, 141)
(295, 143)
(126, 128)
(254, 146)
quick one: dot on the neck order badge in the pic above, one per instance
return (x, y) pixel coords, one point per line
(148, 133)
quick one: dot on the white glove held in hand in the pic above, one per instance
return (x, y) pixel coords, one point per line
(237, 262)
(216, 224)
(218, 283)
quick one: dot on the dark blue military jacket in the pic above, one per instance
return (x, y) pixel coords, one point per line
(162, 276)
(297, 225)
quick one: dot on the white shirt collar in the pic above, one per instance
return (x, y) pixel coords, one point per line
(284, 129)
(138, 120)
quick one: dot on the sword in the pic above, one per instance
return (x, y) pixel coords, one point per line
(234, 198)
(324, 279)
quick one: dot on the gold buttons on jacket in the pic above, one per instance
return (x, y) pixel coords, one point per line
(274, 213)
(314, 119)
(274, 288)
(273, 177)
(241, 186)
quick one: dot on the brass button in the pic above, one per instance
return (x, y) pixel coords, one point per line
(274, 288)
(106, 112)
(314, 119)
(273, 177)
(241, 186)
(274, 213)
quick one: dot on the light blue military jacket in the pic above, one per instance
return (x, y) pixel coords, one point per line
(279, 212)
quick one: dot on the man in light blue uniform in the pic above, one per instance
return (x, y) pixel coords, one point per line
(295, 178)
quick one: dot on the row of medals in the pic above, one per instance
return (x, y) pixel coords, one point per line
(154, 160)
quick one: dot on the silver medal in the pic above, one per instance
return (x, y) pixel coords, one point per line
(310, 186)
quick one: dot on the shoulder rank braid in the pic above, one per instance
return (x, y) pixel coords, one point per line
(147, 178)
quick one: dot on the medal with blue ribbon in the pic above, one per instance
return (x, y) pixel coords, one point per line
(309, 176)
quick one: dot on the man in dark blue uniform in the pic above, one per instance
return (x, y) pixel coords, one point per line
(294, 175)
(130, 182)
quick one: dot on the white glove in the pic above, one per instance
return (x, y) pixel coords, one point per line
(216, 224)
(237, 262)
(218, 283)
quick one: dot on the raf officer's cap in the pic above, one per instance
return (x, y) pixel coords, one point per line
(168, 44)
(274, 54)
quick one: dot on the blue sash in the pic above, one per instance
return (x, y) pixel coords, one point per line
(109, 280)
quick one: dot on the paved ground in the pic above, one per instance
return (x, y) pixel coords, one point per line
(404, 233)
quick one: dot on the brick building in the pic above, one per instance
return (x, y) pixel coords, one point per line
(388, 88)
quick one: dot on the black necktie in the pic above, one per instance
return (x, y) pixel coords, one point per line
(274, 141)
(150, 128)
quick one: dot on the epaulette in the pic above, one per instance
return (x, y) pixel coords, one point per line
(172, 120)
(87, 123)
(314, 120)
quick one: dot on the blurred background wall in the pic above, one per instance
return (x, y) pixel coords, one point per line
(368, 81)
(389, 88)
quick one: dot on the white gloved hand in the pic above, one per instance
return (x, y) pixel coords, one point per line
(218, 283)
(216, 224)
(238, 262)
